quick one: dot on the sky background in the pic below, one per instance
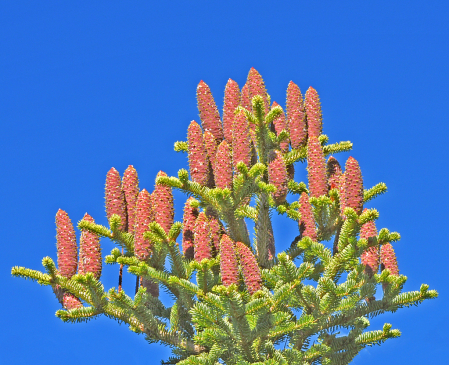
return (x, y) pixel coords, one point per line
(85, 86)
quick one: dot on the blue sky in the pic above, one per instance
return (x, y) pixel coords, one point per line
(85, 86)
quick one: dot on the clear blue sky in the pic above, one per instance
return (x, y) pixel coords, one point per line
(85, 86)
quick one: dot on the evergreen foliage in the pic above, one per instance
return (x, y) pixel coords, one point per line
(237, 301)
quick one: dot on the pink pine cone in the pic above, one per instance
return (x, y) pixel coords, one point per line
(280, 123)
(370, 257)
(223, 166)
(277, 175)
(250, 268)
(198, 161)
(130, 184)
(307, 221)
(334, 173)
(388, 259)
(69, 301)
(231, 102)
(368, 229)
(353, 186)
(189, 219)
(162, 204)
(66, 245)
(256, 86)
(316, 168)
(296, 116)
(90, 252)
(202, 238)
(115, 197)
(313, 112)
(144, 216)
(210, 118)
(241, 142)
(228, 262)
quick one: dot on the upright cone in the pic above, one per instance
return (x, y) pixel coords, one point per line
(296, 116)
(130, 185)
(307, 222)
(66, 245)
(370, 257)
(228, 262)
(316, 168)
(231, 102)
(256, 86)
(115, 198)
(250, 268)
(144, 216)
(198, 161)
(241, 142)
(277, 175)
(353, 186)
(210, 118)
(313, 112)
(388, 259)
(202, 238)
(223, 166)
(162, 203)
(90, 252)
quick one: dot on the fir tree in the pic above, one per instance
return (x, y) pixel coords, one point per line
(237, 301)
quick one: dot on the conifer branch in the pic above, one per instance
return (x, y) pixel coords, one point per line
(376, 190)
(337, 147)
